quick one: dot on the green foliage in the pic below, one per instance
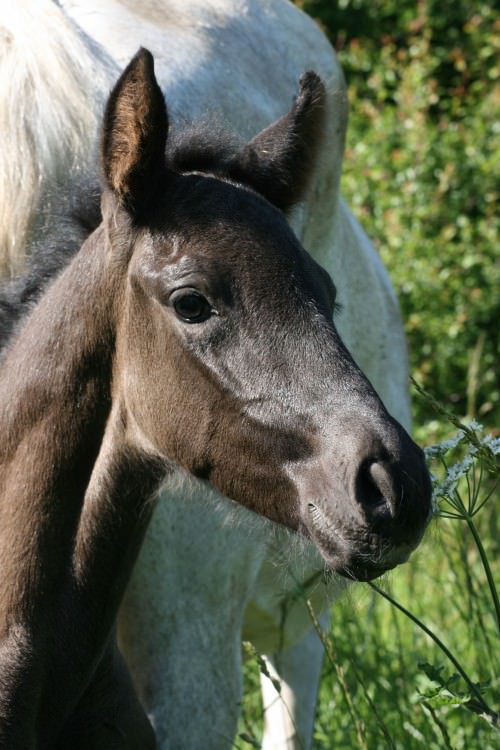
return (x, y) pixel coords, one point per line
(422, 173)
(442, 690)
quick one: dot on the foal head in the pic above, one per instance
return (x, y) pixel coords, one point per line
(228, 362)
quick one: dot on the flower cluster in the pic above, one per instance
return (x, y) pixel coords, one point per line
(476, 448)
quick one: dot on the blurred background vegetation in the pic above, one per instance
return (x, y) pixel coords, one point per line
(422, 171)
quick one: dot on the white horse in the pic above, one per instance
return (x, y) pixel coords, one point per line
(209, 573)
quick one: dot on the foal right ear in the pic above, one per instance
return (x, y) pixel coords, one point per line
(134, 136)
(279, 161)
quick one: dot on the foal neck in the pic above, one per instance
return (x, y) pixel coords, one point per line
(54, 402)
(72, 492)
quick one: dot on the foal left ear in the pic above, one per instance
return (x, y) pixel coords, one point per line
(279, 161)
(134, 136)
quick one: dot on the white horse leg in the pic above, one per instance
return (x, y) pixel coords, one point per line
(188, 676)
(289, 714)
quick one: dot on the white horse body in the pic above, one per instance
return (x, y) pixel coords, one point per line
(207, 572)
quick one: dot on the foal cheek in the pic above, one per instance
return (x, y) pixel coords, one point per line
(166, 409)
(249, 465)
(181, 414)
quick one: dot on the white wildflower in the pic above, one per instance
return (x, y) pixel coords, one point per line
(440, 449)
(492, 443)
(473, 425)
(453, 474)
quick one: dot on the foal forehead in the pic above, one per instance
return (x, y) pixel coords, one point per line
(227, 240)
(217, 223)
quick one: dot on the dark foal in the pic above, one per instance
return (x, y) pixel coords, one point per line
(193, 329)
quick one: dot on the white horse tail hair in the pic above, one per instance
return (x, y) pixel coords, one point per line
(53, 82)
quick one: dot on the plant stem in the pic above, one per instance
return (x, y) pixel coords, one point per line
(482, 707)
(486, 566)
(439, 724)
(327, 645)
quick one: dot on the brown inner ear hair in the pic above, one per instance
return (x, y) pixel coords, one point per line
(134, 135)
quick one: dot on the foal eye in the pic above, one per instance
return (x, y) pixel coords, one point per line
(191, 306)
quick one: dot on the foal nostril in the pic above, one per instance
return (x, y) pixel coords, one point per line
(375, 490)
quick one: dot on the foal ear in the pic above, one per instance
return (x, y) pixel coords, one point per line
(134, 136)
(279, 161)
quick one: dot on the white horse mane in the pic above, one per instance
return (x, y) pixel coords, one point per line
(49, 119)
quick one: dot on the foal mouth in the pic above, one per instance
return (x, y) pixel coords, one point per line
(356, 559)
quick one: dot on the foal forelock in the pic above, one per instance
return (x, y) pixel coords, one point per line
(52, 86)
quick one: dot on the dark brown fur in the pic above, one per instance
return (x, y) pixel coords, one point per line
(108, 387)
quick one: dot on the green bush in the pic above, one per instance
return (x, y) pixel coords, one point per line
(422, 173)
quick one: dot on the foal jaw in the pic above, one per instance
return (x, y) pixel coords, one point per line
(362, 557)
